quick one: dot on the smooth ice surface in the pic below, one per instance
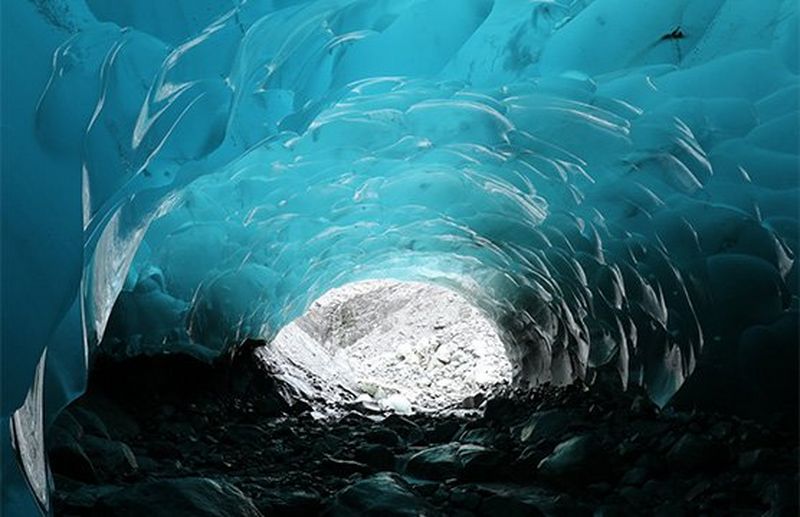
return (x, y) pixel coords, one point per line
(400, 346)
(614, 183)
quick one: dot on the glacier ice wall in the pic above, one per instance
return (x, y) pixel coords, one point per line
(615, 183)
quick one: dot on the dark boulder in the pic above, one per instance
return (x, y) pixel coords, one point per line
(289, 503)
(68, 458)
(478, 436)
(110, 458)
(90, 422)
(443, 432)
(451, 460)
(378, 457)
(83, 499)
(528, 502)
(546, 425)
(342, 467)
(200, 497)
(694, 452)
(383, 436)
(382, 495)
(575, 460)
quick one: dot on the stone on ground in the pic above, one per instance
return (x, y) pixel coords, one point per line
(381, 495)
(196, 496)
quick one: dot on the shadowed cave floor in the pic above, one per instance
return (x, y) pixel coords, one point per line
(173, 436)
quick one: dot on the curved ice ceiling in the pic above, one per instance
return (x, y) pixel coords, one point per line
(614, 182)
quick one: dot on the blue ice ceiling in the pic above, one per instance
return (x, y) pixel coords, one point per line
(614, 182)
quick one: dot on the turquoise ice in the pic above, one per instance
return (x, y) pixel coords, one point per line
(614, 182)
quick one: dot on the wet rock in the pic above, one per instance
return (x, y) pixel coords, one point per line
(759, 459)
(381, 495)
(651, 462)
(67, 423)
(670, 509)
(694, 452)
(754, 437)
(163, 449)
(91, 423)
(635, 476)
(293, 465)
(720, 500)
(465, 498)
(782, 497)
(68, 459)
(276, 404)
(473, 401)
(66, 485)
(378, 457)
(478, 436)
(176, 430)
(438, 462)
(634, 496)
(439, 496)
(245, 433)
(654, 490)
(453, 459)
(423, 487)
(546, 425)
(576, 459)
(109, 457)
(355, 419)
(512, 505)
(609, 510)
(343, 467)
(528, 461)
(146, 463)
(461, 513)
(382, 436)
(119, 424)
(289, 503)
(643, 406)
(698, 489)
(82, 500)
(482, 464)
(498, 409)
(443, 432)
(201, 497)
(600, 489)
(630, 448)
(721, 430)
(407, 429)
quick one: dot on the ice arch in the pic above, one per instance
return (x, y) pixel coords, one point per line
(615, 182)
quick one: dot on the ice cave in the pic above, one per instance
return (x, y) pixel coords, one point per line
(608, 188)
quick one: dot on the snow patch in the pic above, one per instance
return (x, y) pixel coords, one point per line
(390, 346)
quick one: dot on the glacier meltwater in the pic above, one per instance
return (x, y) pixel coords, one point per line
(614, 183)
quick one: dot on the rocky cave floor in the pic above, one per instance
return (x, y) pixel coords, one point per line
(173, 436)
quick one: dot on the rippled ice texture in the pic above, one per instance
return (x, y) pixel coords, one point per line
(614, 183)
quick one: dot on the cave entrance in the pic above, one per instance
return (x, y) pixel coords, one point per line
(390, 346)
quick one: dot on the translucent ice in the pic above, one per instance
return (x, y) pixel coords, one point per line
(615, 183)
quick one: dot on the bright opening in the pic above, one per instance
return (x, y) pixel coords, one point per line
(390, 346)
